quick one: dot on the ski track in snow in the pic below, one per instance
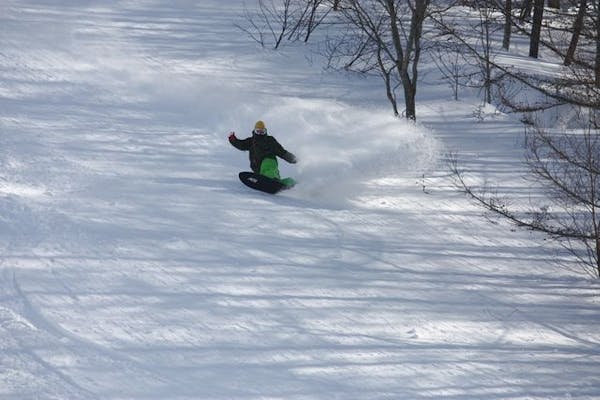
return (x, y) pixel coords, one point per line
(134, 264)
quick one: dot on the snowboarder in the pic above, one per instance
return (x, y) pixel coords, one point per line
(264, 150)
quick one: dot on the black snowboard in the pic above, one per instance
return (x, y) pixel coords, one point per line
(260, 182)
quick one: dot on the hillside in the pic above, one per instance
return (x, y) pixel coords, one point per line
(135, 265)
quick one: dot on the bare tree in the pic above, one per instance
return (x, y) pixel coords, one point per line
(507, 24)
(563, 155)
(536, 28)
(277, 20)
(407, 52)
(562, 32)
(580, 84)
(451, 62)
(270, 20)
(381, 36)
(566, 163)
(308, 18)
(577, 28)
(486, 62)
(475, 38)
(596, 19)
(384, 36)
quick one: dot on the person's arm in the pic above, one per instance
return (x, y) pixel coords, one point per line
(240, 144)
(289, 157)
(283, 153)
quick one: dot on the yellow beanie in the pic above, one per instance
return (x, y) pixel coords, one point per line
(259, 125)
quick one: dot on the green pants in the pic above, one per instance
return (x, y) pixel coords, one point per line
(270, 169)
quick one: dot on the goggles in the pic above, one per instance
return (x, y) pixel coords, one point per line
(260, 131)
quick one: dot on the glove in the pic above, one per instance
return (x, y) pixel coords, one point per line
(232, 136)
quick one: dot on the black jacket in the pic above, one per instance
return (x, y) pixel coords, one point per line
(261, 147)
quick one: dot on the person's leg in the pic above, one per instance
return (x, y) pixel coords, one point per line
(269, 168)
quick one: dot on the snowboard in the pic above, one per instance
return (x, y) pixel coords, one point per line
(261, 182)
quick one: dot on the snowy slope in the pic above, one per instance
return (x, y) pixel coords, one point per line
(134, 265)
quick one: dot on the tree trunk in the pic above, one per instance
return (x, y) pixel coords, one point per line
(597, 66)
(410, 99)
(386, 74)
(336, 5)
(486, 62)
(416, 31)
(538, 14)
(577, 27)
(507, 24)
(598, 256)
(311, 19)
(407, 60)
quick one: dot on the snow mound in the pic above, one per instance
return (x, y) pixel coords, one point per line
(341, 147)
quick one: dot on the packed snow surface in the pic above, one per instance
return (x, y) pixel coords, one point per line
(135, 265)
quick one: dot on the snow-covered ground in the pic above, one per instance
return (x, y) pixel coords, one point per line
(135, 265)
